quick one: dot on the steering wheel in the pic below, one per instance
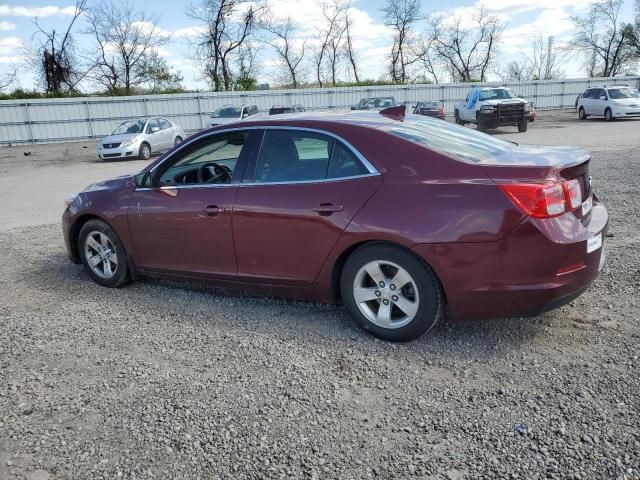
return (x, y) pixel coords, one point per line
(222, 173)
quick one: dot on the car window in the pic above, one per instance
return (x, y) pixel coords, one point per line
(151, 125)
(228, 111)
(129, 127)
(343, 163)
(221, 151)
(449, 139)
(293, 156)
(164, 123)
(618, 93)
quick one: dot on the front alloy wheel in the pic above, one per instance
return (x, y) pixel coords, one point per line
(390, 292)
(102, 254)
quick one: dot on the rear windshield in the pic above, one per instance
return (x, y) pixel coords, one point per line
(227, 112)
(624, 93)
(449, 139)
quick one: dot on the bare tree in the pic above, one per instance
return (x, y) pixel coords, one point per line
(546, 59)
(401, 16)
(330, 34)
(283, 41)
(247, 67)
(603, 40)
(228, 26)
(423, 54)
(515, 71)
(349, 51)
(54, 55)
(126, 40)
(7, 80)
(467, 51)
(632, 32)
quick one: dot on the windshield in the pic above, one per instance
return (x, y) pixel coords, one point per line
(136, 126)
(496, 94)
(227, 112)
(624, 93)
(449, 139)
(429, 105)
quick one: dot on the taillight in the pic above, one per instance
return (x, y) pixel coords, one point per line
(442, 110)
(544, 200)
(574, 193)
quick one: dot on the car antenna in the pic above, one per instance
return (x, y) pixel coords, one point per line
(395, 113)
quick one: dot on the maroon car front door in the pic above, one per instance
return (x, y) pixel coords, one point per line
(304, 189)
(181, 222)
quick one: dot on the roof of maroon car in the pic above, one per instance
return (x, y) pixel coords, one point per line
(368, 119)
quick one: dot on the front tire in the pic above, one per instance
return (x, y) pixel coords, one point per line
(608, 114)
(522, 127)
(582, 115)
(145, 151)
(458, 120)
(390, 292)
(177, 141)
(103, 255)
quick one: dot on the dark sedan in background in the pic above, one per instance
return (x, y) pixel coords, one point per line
(432, 108)
(402, 218)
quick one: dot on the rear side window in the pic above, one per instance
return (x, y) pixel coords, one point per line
(164, 123)
(301, 156)
(449, 139)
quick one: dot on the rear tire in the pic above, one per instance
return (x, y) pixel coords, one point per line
(608, 114)
(103, 255)
(582, 115)
(522, 127)
(399, 300)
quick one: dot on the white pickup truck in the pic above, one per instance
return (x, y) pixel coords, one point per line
(492, 107)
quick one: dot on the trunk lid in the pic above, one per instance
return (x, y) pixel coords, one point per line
(532, 164)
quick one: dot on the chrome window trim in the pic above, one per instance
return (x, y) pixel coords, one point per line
(367, 164)
(256, 184)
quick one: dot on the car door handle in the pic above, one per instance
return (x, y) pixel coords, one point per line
(327, 208)
(213, 210)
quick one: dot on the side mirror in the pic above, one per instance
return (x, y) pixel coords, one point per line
(143, 179)
(602, 97)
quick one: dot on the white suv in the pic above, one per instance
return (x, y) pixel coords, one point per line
(609, 102)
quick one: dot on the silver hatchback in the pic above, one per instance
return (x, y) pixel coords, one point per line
(140, 138)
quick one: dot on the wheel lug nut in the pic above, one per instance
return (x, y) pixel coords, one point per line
(381, 284)
(392, 286)
(394, 298)
(377, 293)
(385, 301)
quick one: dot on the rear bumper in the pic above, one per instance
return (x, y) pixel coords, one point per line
(533, 269)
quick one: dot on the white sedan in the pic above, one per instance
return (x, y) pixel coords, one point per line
(140, 138)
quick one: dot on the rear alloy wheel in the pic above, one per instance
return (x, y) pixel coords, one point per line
(145, 152)
(102, 254)
(522, 127)
(608, 114)
(582, 115)
(390, 292)
(177, 141)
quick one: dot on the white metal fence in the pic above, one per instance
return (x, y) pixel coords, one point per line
(83, 118)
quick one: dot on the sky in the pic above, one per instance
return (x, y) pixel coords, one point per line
(525, 20)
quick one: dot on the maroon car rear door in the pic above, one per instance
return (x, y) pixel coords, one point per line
(302, 190)
(179, 224)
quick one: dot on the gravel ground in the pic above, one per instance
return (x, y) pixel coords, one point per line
(164, 380)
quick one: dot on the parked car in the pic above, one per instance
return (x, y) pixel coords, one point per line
(141, 138)
(374, 103)
(279, 109)
(616, 101)
(430, 109)
(493, 107)
(232, 113)
(400, 218)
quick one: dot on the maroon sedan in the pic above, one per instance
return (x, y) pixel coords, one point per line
(402, 219)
